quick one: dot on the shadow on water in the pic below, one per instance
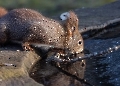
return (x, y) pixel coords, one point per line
(95, 72)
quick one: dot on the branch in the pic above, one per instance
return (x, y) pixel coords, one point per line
(56, 56)
(94, 31)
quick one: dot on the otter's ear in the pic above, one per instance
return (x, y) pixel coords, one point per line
(72, 23)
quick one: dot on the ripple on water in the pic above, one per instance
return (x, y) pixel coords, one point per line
(112, 60)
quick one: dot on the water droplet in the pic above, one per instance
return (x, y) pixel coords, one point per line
(111, 51)
(117, 42)
(116, 47)
(70, 37)
(95, 53)
(17, 50)
(110, 48)
(7, 64)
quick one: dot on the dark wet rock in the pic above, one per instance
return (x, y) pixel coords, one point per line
(16, 74)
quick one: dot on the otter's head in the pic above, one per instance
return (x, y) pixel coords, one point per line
(73, 41)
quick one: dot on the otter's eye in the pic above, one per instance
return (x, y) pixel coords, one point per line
(80, 42)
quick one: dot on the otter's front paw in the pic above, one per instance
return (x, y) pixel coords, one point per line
(26, 46)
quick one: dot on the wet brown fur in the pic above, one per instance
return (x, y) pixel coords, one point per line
(29, 26)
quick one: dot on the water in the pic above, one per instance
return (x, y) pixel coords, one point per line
(103, 71)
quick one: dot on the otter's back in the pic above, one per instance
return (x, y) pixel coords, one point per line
(29, 25)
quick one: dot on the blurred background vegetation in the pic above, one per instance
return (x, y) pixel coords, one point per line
(52, 7)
